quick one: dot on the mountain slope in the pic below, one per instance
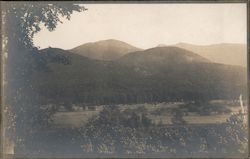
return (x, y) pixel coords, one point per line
(153, 75)
(163, 55)
(105, 49)
(225, 53)
(173, 70)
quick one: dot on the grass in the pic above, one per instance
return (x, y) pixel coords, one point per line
(73, 119)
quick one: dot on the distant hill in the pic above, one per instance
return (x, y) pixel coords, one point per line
(104, 50)
(225, 53)
(153, 75)
(178, 71)
(163, 55)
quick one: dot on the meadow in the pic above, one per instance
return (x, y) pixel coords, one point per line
(80, 117)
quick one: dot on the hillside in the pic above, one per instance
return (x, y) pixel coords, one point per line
(225, 53)
(186, 74)
(105, 49)
(163, 55)
(153, 75)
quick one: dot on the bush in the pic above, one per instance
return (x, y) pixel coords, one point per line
(120, 132)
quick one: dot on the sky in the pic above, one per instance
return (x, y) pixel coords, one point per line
(148, 25)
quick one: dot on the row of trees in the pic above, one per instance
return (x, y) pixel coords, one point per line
(106, 96)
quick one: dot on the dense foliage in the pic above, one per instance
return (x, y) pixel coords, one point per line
(114, 133)
(20, 22)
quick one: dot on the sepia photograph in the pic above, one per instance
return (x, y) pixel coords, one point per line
(124, 80)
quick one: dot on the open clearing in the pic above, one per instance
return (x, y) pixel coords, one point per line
(79, 118)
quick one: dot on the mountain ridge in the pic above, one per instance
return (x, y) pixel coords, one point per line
(160, 74)
(110, 49)
(225, 53)
(165, 54)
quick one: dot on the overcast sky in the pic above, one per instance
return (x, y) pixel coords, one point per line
(147, 25)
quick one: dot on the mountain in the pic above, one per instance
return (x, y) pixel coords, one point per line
(163, 55)
(172, 70)
(153, 75)
(225, 53)
(104, 50)
(81, 80)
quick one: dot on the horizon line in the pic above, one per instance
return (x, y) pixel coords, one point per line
(158, 45)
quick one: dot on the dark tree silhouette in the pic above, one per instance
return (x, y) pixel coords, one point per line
(22, 19)
(20, 22)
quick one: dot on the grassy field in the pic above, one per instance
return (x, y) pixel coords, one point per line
(79, 118)
(73, 119)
